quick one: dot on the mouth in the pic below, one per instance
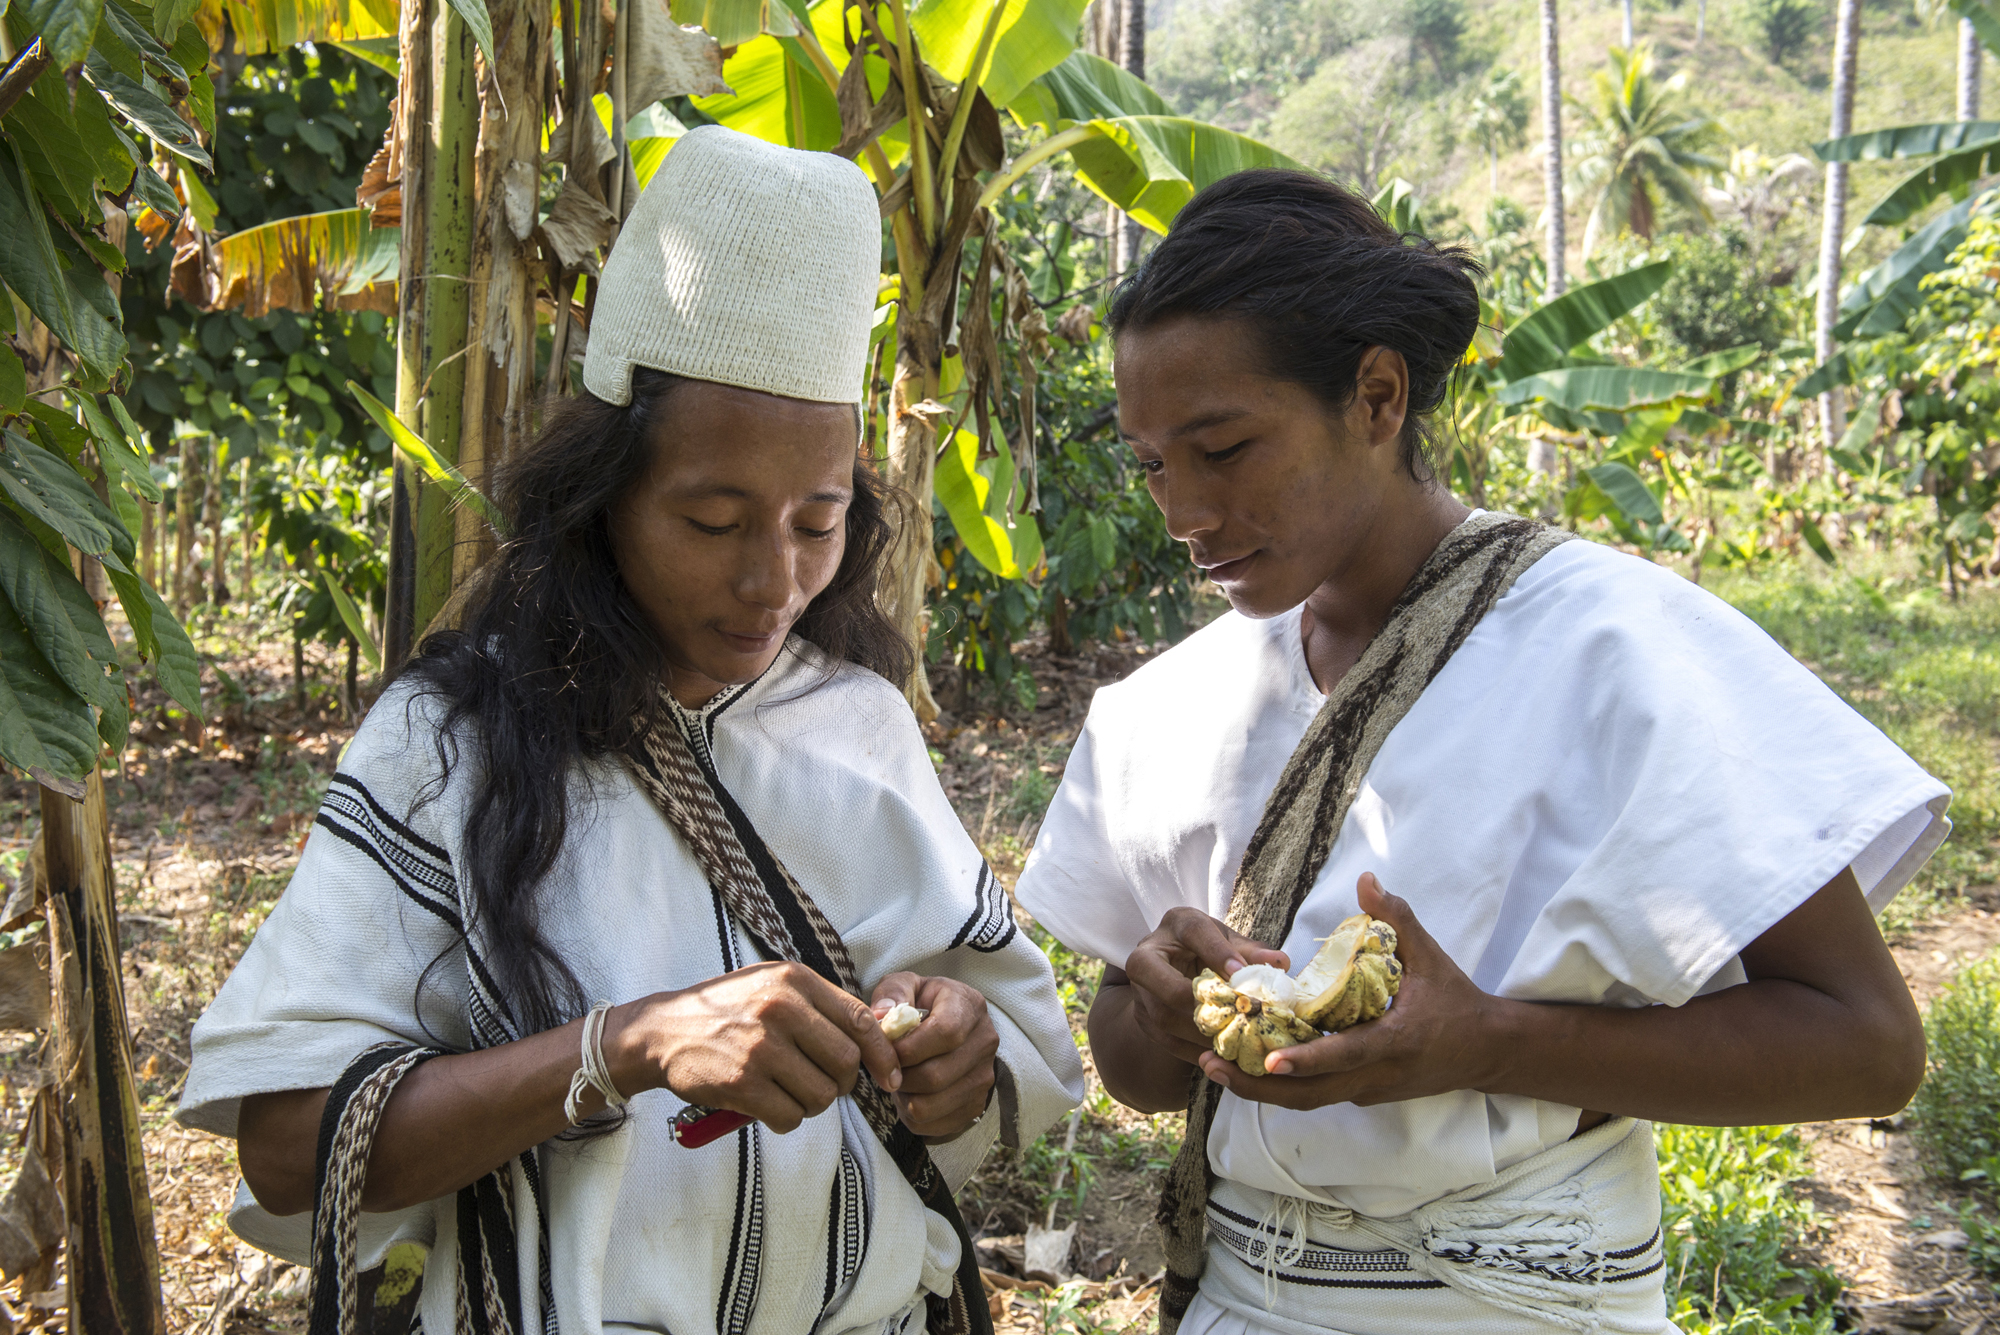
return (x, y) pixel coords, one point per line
(1225, 572)
(751, 643)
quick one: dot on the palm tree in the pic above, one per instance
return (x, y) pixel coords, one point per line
(1758, 192)
(1641, 142)
(1833, 220)
(1499, 119)
(1552, 145)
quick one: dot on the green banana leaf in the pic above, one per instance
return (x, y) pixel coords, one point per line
(1397, 203)
(1882, 299)
(1628, 491)
(1009, 545)
(1984, 21)
(1835, 370)
(1908, 141)
(1546, 334)
(1951, 175)
(1726, 362)
(777, 93)
(1610, 388)
(1125, 144)
(1150, 166)
(285, 265)
(1034, 37)
(1085, 87)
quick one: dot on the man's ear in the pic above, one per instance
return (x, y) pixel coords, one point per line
(1382, 395)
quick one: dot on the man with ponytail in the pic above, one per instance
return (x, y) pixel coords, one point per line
(1628, 847)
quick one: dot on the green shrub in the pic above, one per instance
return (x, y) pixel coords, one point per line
(1956, 1114)
(1731, 1223)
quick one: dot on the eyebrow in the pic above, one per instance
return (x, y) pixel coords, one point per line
(737, 493)
(1203, 422)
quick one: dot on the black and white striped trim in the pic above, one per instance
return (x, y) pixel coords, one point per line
(990, 927)
(736, 1303)
(1313, 1266)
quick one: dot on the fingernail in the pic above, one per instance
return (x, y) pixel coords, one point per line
(1281, 1068)
(1234, 964)
(895, 1079)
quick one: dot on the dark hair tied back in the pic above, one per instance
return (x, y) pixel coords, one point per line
(1321, 278)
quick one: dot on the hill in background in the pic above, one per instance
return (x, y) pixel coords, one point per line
(1372, 91)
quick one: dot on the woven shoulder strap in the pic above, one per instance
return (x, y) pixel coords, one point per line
(765, 900)
(1475, 564)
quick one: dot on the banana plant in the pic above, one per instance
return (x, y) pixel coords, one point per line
(914, 93)
(1957, 157)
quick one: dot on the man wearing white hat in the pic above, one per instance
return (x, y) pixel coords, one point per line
(665, 765)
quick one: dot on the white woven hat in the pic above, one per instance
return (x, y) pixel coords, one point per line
(745, 264)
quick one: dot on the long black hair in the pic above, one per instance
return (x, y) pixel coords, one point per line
(1319, 278)
(554, 665)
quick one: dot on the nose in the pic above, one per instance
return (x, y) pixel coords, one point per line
(767, 576)
(1184, 504)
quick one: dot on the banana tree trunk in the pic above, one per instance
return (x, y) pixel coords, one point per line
(450, 138)
(912, 566)
(1552, 146)
(499, 391)
(113, 1256)
(1833, 221)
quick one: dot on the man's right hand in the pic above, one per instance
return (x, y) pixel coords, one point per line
(1162, 969)
(774, 1041)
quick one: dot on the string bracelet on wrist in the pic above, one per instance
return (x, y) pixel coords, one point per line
(592, 1072)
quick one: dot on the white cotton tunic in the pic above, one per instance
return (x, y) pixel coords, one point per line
(1615, 784)
(815, 1231)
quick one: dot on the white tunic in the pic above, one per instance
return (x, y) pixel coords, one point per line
(812, 1231)
(1615, 785)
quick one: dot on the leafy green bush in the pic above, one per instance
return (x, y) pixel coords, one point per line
(1730, 1222)
(1956, 1114)
(1716, 299)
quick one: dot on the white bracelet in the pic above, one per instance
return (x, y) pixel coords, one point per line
(592, 1073)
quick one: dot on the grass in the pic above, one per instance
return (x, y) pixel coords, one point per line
(1956, 1114)
(1919, 665)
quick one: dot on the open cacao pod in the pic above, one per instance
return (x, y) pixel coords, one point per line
(1260, 1009)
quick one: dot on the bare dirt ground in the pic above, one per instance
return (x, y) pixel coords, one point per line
(206, 831)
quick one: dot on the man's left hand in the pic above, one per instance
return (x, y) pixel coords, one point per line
(1433, 1040)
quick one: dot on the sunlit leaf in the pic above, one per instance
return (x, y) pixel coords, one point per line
(67, 27)
(1546, 334)
(350, 616)
(963, 490)
(1952, 175)
(1034, 37)
(288, 264)
(262, 26)
(455, 483)
(1908, 141)
(1608, 388)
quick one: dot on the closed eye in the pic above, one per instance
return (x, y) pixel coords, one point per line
(816, 532)
(713, 530)
(1224, 456)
